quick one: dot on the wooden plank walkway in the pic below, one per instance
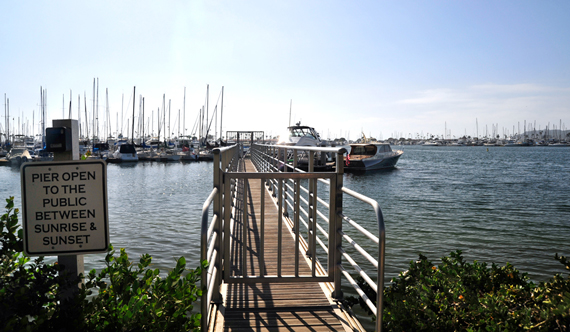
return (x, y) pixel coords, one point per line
(274, 306)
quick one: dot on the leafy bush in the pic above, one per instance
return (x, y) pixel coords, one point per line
(129, 297)
(138, 299)
(28, 289)
(460, 296)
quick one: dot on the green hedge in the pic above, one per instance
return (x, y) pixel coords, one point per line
(129, 296)
(461, 296)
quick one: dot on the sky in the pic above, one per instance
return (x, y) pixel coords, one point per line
(382, 68)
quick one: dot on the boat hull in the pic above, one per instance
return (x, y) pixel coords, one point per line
(373, 164)
(372, 156)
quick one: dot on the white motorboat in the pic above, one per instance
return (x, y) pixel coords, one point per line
(166, 156)
(371, 156)
(302, 136)
(18, 155)
(124, 153)
(188, 154)
(432, 143)
(205, 155)
(559, 144)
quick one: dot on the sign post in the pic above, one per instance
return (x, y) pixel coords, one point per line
(65, 205)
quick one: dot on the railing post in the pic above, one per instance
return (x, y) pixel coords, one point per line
(228, 198)
(219, 165)
(279, 227)
(283, 157)
(245, 227)
(273, 158)
(312, 204)
(381, 267)
(336, 226)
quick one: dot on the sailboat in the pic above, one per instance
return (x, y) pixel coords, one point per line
(126, 152)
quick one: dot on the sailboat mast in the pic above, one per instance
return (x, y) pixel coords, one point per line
(133, 130)
(163, 111)
(107, 115)
(42, 114)
(221, 114)
(142, 141)
(93, 113)
(7, 117)
(290, 106)
(86, 117)
(79, 113)
(8, 107)
(141, 118)
(184, 114)
(97, 112)
(70, 97)
(207, 110)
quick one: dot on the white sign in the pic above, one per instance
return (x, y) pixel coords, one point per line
(64, 205)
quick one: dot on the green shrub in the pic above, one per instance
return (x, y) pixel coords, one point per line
(129, 297)
(460, 296)
(138, 299)
(28, 289)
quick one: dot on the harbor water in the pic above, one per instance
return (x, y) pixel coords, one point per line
(496, 204)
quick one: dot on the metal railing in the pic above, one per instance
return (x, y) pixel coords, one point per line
(225, 160)
(313, 215)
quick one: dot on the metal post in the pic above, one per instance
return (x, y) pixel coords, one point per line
(216, 296)
(336, 227)
(381, 266)
(279, 227)
(227, 222)
(297, 202)
(311, 200)
(73, 264)
(245, 227)
(283, 157)
(262, 231)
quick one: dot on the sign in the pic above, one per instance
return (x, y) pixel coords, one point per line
(64, 207)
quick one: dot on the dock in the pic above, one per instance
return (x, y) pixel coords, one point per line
(278, 306)
(266, 273)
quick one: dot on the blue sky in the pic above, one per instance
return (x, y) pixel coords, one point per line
(388, 68)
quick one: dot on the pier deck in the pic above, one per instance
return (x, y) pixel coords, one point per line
(263, 306)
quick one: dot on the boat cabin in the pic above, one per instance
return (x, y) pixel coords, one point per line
(303, 136)
(362, 151)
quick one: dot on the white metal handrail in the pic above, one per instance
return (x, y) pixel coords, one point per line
(282, 169)
(225, 159)
(281, 158)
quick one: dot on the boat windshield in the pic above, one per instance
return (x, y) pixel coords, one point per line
(384, 148)
(16, 151)
(301, 132)
(363, 150)
(127, 148)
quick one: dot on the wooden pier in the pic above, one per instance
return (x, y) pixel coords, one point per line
(267, 304)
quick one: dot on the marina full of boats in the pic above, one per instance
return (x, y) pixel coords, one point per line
(363, 154)
(468, 141)
(113, 151)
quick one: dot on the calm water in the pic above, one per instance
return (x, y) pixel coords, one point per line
(501, 205)
(497, 205)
